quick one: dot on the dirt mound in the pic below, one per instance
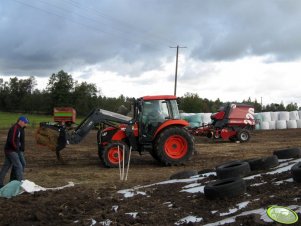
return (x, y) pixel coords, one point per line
(98, 197)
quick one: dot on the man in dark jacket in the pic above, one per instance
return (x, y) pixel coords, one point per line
(13, 150)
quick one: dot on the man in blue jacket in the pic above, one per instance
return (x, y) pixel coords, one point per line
(13, 150)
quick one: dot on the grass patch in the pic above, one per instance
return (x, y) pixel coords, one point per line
(7, 119)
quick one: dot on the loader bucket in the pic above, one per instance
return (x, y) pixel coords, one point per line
(51, 136)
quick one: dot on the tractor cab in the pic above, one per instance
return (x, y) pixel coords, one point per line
(153, 112)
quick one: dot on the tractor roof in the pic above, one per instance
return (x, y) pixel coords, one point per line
(160, 97)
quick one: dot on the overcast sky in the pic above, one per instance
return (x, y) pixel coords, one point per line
(236, 49)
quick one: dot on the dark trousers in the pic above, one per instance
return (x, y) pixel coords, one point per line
(13, 170)
(12, 159)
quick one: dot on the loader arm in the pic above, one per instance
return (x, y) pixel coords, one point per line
(56, 137)
(95, 117)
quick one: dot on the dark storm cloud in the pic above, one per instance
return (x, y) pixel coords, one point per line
(42, 37)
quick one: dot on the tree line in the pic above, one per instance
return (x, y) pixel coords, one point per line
(21, 95)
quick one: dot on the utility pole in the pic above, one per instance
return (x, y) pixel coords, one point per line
(176, 73)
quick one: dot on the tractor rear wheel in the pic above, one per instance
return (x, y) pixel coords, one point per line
(114, 153)
(174, 146)
(243, 135)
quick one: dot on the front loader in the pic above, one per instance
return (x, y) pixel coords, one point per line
(155, 127)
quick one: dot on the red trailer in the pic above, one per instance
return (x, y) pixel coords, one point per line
(232, 122)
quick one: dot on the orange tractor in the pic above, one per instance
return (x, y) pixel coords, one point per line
(155, 127)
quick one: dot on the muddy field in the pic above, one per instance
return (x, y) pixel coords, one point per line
(94, 200)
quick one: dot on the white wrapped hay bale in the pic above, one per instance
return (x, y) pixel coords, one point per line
(299, 123)
(291, 124)
(194, 124)
(274, 116)
(266, 116)
(281, 124)
(299, 113)
(197, 117)
(185, 116)
(264, 125)
(272, 125)
(294, 115)
(258, 117)
(284, 115)
(257, 126)
(206, 118)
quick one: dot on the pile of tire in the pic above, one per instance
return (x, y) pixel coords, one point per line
(229, 182)
(291, 153)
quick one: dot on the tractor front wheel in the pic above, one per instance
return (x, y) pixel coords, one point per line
(114, 154)
(174, 146)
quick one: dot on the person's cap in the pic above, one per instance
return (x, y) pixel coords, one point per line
(23, 119)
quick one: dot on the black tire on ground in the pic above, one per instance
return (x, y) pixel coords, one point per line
(184, 174)
(109, 156)
(296, 172)
(233, 169)
(243, 135)
(174, 146)
(263, 163)
(229, 187)
(288, 153)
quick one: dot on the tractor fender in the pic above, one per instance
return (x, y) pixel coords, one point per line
(119, 135)
(176, 122)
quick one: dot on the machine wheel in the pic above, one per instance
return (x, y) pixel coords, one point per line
(174, 146)
(109, 156)
(243, 135)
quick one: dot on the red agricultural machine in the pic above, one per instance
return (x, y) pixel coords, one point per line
(155, 127)
(64, 115)
(232, 122)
